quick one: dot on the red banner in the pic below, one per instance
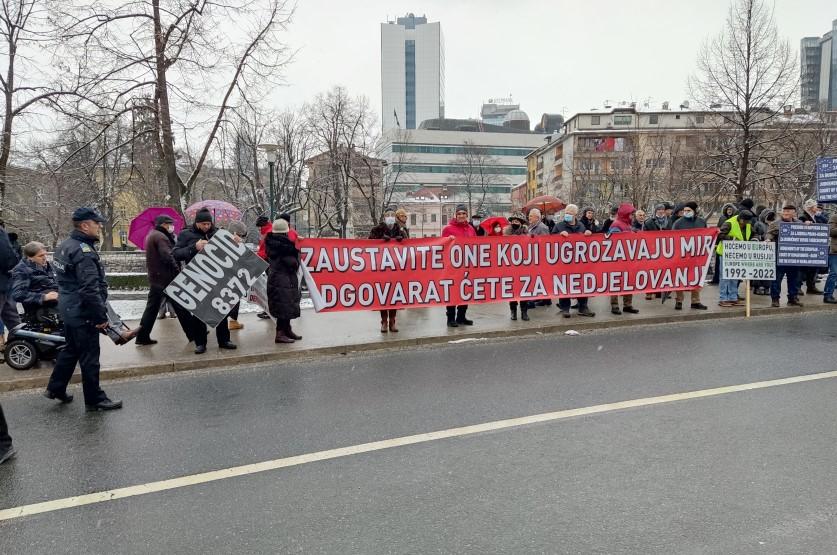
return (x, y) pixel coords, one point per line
(359, 274)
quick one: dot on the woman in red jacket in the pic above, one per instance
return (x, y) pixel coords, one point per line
(459, 226)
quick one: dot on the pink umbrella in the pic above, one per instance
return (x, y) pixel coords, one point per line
(142, 225)
(221, 211)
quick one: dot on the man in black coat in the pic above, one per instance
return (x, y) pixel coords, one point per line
(568, 225)
(82, 302)
(8, 260)
(162, 269)
(190, 242)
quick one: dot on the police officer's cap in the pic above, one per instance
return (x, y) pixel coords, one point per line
(87, 213)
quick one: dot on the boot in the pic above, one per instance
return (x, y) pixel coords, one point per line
(290, 333)
(235, 325)
(451, 312)
(460, 316)
(794, 301)
(392, 326)
(513, 313)
(384, 324)
(524, 312)
(282, 338)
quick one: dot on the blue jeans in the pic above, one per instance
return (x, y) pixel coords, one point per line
(793, 284)
(728, 287)
(832, 275)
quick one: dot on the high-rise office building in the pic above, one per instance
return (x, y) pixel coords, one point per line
(818, 71)
(412, 72)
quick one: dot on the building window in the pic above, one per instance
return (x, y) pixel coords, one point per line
(677, 116)
(654, 119)
(699, 119)
(410, 82)
(595, 120)
(433, 218)
(622, 120)
(412, 219)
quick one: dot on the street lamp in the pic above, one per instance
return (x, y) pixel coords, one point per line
(271, 150)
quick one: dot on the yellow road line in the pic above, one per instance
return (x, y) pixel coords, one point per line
(244, 470)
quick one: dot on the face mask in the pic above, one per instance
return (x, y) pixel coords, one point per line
(568, 218)
(496, 230)
(549, 217)
(689, 215)
(475, 221)
(515, 225)
(389, 220)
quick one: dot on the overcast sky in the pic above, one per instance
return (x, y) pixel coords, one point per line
(551, 55)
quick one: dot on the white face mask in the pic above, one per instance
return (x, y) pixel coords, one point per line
(389, 220)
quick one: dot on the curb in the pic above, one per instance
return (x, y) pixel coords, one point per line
(32, 382)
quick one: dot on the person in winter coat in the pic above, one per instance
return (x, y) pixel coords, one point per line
(536, 225)
(811, 213)
(622, 224)
(388, 230)
(727, 211)
(496, 230)
(569, 225)
(459, 227)
(517, 228)
(476, 220)
(792, 272)
(607, 223)
(689, 220)
(737, 228)
(588, 220)
(162, 269)
(190, 242)
(760, 227)
(831, 280)
(676, 215)
(639, 220)
(33, 282)
(401, 219)
(283, 292)
(265, 226)
(659, 222)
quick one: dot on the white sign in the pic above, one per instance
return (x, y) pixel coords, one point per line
(749, 260)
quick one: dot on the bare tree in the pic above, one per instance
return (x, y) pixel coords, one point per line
(184, 57)
(749, 72)
(477, 173)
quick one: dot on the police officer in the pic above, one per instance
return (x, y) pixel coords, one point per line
(82, 302)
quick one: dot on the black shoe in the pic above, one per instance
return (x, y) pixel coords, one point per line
(63, 397)
(524, 316)
(678, 305)
(8, 454)
(452, 324)
(263, 315)
(145, 342)
(200, 349)
(794, 302)
(229, 345)
(465, 322)
(107, 404)
(699, 306)
(565, 313)
(586, 312)
(514, 315)
(829, 300)
(630, 310)
(615, 310)
(812, 290)
(774, 303)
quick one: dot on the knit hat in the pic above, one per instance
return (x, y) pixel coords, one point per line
(461, 208)
(745, 215)
(748, 203)
(285, 216)
(281, 226)
(203, 215)
(692, 205)
(518, 216)
(261, 221)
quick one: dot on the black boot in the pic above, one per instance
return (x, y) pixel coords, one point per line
(451, 312)
(524, 311)
(513, 312)
(460, 316)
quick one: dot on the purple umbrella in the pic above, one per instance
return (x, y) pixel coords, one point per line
(142, 225)
(222, 212)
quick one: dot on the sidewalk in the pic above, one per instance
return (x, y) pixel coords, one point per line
(339, 333)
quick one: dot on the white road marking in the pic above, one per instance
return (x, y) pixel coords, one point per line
(244, 470)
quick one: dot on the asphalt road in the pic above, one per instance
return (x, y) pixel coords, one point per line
(745, 472)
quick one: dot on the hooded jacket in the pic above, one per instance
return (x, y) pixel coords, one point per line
(459, 229)
(724, 216)
(623, 219)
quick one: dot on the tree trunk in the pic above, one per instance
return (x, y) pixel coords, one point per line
(6, 141)
(175, 186)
